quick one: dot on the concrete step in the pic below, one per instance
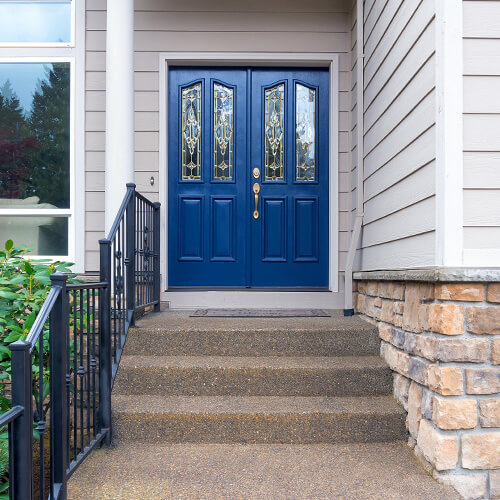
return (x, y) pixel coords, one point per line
(253, 376)
(373, 471)
(177, 334)
(257, 419)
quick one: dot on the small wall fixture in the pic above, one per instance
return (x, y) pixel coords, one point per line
(152, 180)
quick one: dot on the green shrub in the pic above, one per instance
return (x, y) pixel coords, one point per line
(24, 285)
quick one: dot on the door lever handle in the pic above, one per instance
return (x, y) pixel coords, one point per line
(256, 191)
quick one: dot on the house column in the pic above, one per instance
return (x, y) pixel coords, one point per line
(119, 104)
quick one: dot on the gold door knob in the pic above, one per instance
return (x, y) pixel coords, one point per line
(256, 173)
(256, 191)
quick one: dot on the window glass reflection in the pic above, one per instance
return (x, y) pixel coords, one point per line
(35, 22)
(43, 235)
(34, 135)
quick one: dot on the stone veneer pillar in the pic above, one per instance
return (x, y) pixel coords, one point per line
(440, 334)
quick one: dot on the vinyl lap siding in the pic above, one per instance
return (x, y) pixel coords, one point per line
(399, 134)
(196, 25)
(481, 128)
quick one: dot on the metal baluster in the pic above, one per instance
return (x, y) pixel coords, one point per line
(39, 417)
(88, 365)
(81, 374)
(75, 376)
(114, 313)
(156, 253)
(67, 354)
(93, 363)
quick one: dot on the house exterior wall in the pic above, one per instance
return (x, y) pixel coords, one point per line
(481, 82)
(168, 26)
(399, 134)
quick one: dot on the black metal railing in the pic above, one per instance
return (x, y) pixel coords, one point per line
(65, 368)
(130, 262)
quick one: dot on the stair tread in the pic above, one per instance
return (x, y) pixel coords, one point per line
(275, 471)
(253, 362)
(180, 321)
(244, 405)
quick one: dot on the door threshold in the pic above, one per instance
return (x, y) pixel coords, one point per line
(251, 298)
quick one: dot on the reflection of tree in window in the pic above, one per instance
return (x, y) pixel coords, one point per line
(34, 146)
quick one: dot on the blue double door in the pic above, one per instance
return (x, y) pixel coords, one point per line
(248, 179)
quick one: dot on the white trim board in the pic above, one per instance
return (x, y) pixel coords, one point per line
(245, 299)
(332, 299)
(449, 134)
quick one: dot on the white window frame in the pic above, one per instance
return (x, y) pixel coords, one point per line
(71, 43)
(74, 54)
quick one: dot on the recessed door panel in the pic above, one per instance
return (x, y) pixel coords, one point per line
(190, 229)
(223, 229)
(274, 225)
(306, 230)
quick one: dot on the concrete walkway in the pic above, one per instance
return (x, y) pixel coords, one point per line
(372, 471)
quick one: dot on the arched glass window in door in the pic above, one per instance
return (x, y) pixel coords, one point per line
(223, 133)
(274, 133)
(191, 132)
(305, 132)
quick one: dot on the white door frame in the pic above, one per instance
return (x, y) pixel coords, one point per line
(248, 298)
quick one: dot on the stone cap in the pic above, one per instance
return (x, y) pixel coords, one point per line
(433, 274)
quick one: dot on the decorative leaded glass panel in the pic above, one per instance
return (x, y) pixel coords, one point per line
(274, 132)
(191, 133)
(305, 146)
(223, 133)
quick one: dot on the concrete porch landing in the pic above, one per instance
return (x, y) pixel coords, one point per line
(376, 471)
(254, 408)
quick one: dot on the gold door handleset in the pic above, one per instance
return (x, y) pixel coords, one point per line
(256, 191)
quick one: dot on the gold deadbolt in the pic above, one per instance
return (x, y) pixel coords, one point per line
(256, 173)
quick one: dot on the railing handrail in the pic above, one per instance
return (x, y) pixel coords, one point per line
(10, 415)
(144, 199)
(87, 286)
(121, 211)
(43, 316)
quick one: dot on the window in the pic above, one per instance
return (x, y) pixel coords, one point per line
(36, 22)
(35, 154)
(37, 126)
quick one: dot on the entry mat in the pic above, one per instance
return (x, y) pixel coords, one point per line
(260, 313)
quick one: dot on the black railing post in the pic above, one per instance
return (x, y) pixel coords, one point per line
(156, 257)
(21, 478)
(130, 254)
(59, 324)
(105, 361)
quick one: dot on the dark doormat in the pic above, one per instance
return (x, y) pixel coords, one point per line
(260, 313)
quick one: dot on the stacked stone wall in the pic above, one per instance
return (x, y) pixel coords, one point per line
(442, 341)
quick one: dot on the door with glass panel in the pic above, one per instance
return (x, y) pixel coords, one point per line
(248, 177)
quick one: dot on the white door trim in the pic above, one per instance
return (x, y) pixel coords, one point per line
(188, 299)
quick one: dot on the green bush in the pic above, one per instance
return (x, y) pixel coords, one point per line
(24, 285)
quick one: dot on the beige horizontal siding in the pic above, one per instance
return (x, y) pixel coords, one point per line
(399, 135)
(195, 25)
(481, 196)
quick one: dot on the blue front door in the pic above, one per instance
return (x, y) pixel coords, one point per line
(248, 177)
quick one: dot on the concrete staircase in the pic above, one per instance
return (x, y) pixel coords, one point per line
(297, 381)
(207, 408)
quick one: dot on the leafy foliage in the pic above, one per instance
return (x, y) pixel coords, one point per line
(24, 285)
